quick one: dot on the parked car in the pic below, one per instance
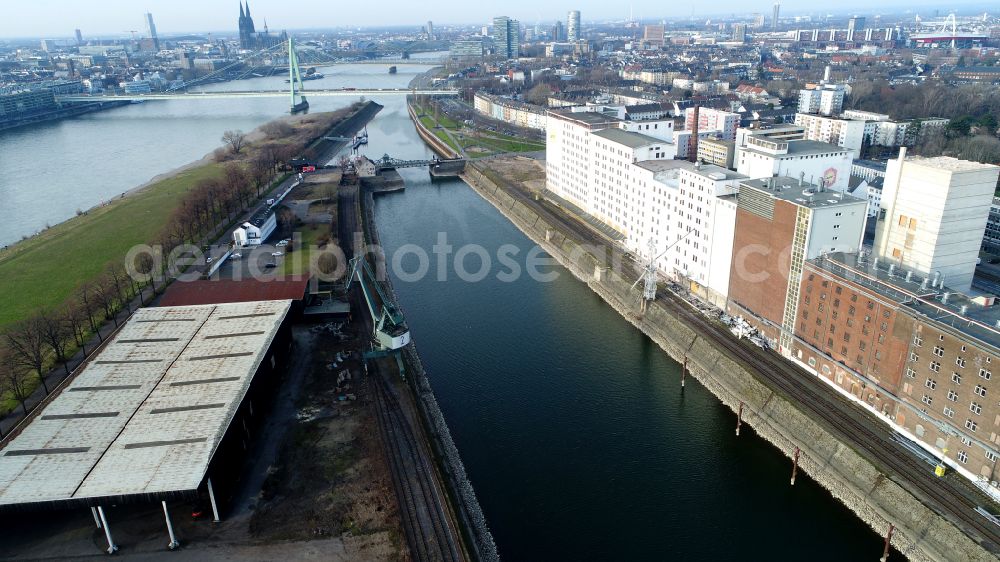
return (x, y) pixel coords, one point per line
(276, 254)
(236, 256)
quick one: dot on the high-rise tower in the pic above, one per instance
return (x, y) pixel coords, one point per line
(573, 25)
(774, 16)
(151, 27)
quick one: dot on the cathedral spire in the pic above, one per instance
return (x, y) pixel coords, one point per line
(242, 15)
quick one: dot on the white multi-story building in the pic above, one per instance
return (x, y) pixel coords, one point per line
(825, 99)
(722, 123)
(933, 216)
(626, 176)
(883, 131)
(844, 133)
(816, 162)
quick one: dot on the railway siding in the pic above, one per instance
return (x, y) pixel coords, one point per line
(871, 488)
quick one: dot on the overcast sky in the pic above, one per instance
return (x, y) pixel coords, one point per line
(58, 18)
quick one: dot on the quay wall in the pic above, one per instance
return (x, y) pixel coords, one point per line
(476, 533)
(921, 533)
(435, 144)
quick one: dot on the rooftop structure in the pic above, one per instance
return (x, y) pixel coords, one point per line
(934, 214)
(145, 417)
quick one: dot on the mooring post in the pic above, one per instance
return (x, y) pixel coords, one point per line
(739, 419)
(888, 540)
(795, 464)
(684, 371)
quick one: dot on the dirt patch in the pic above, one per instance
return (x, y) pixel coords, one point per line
(332, 476)
(526, 171)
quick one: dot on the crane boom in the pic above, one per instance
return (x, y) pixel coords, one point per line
(388, 325)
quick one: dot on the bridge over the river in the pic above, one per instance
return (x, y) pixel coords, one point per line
(295, 92)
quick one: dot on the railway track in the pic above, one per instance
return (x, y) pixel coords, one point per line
(425, 522)
(852, 425)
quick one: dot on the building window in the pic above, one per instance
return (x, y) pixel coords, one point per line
(960, 361)
(914, 358)
(963, 457)
(927, 400)
(956, 378)
(991, 456)
(983, 373)
(939, 351)
(975, 408)
(952, 395)
(935, 366)
(980, 390)
(949, 412)
(917, 341)
(931, 384)
(911, 373)
(971, 425)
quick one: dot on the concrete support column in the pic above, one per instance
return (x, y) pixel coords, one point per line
(97, 518)
(215, 506)
(112, 547)
(170, 528)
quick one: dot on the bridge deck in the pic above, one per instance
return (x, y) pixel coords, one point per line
(256, 94)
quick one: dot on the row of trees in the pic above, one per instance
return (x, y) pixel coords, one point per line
(30, 347)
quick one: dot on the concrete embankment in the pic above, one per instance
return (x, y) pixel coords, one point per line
(439, 147)
(466, 509)
(323, 149)
(921, 533)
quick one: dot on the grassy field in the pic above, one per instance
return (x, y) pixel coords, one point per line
(298, 261)
(487, 142)
(45, 270)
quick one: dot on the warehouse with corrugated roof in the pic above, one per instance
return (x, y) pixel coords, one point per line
(162, 412)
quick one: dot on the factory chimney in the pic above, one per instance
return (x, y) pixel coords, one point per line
(693, 145)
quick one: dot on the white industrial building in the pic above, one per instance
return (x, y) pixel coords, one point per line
(817, 162)
(933, 216)
(625, 175)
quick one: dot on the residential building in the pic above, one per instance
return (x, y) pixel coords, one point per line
(855, 25)
(883, 131)
(573, 26)
(511, 111)
(825, 99)
(849, 134)
(507, 37)
(739, 32)
(934, 214)
(780, 223)
(870, 189)
(868, 169)
(722, 123)
(557, 32)
(776, 11)
(816, 162)
(991, 237)
(717, 151)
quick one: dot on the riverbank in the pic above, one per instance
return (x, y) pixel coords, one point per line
(870, 492)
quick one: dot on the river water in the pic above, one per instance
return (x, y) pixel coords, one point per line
(572, 424)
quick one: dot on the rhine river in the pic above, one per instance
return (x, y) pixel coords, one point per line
(571, 424)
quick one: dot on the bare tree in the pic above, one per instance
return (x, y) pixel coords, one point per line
(14, 378)
(56, 333)
(76, 322)
(88, 306)
(277, 129)
(106, 295)
(26, 340)
(235, 140)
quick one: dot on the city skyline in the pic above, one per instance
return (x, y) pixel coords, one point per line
(59, 18)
